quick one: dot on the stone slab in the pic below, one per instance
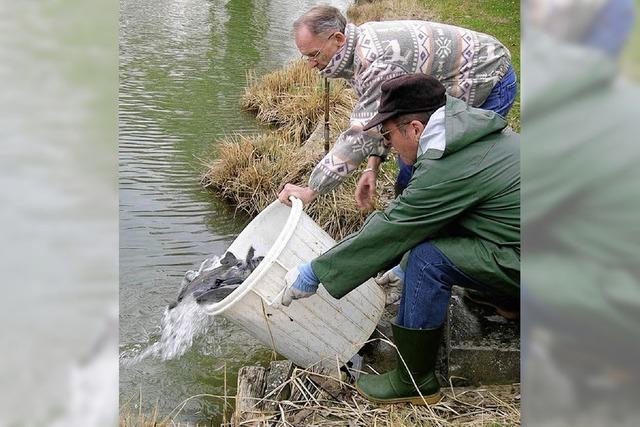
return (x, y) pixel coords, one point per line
(481, 347)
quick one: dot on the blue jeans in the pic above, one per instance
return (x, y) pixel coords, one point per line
(500, 100)
(427, 287)
(503, 94)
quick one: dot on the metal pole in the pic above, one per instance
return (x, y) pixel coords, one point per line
(326, 115)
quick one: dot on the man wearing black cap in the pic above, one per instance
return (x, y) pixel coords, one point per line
(458, 222)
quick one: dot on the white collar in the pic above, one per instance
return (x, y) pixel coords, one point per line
(433, 141)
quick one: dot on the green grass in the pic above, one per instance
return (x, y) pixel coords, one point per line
(499, 18)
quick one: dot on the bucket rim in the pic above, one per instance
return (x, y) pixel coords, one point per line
(269, 258)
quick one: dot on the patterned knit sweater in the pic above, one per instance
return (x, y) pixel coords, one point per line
(468, 63)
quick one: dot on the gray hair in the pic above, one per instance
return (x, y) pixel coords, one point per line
(320, 20)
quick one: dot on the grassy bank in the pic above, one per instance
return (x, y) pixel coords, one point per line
(389, 10)
(631, 53)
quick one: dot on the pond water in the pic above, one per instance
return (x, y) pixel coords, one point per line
(182, 73)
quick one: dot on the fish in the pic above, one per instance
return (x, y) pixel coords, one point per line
(229, 280)
(210, 283)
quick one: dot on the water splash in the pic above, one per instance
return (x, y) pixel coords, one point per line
(180, 326)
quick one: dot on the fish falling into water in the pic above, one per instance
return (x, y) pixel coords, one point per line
(212, 284)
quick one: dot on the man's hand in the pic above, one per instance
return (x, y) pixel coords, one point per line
(306, 284)
(366, 190)
(393, 277)
(306, 194)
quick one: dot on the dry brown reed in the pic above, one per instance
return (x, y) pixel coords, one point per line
(318, 399)
(336, 212)
(134, 416)
(250, 171)
(388, 10)
(292, 99)
(324, 400)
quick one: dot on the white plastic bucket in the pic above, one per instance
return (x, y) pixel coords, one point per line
(319, 329)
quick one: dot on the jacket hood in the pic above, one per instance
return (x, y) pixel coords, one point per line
(464, 125)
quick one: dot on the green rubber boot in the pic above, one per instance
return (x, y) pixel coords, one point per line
(419, 348)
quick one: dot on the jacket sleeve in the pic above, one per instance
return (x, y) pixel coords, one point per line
(419, 214)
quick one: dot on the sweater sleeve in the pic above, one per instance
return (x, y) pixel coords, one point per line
(354, 146)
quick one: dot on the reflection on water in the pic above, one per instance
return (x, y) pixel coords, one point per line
(182, 73)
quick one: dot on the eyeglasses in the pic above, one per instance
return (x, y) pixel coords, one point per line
(314, 58)
(386, 133)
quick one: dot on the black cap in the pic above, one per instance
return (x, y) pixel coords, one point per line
(410, 93)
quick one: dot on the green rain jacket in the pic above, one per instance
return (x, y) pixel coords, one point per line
(465, 200)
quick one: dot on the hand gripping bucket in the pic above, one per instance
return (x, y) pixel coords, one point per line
(319, 329)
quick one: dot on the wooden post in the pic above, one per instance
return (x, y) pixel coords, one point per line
(326, 115)
(279, 373)
(251, 382)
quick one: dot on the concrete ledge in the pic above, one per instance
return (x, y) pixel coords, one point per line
(481, 347)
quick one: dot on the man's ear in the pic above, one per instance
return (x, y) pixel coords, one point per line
(340, 38)
(417, 127)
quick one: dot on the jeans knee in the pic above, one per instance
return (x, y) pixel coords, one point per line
(424, 253)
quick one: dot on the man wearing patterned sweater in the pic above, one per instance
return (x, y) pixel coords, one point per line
(472, 66)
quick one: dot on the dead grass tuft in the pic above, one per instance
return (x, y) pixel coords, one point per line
(251, 171)
(321, 399)
(292, 99)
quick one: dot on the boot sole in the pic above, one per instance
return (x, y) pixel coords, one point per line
(414, 400)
